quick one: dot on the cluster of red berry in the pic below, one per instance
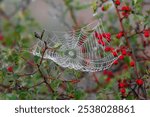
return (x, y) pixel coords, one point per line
(109, 75)
(125, 9)
(122, 85)
(122, 50)
(102, 36)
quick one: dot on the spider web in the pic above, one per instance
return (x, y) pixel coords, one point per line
(77, 49)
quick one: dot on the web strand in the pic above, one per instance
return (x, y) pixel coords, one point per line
(77, 49)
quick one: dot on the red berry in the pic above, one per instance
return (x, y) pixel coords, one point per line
(107, 48)
(139, 82)
(100, 41)
(146, 33)
(10, 69)
(116, 62)
(110, 73)
(115, 53)
(124, 52)
(105, 72)
(132, 63)
(123, 90)
(117, 2)
(107, 36)
(98, 36)
(126, 11)
(121, 85)
(126, 8)
(121, 57)
(119, 35)
(125, 14)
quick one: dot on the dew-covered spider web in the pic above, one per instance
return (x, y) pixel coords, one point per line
(77, 49)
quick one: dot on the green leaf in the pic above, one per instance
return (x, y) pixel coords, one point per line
(94, 6)
(135, 1)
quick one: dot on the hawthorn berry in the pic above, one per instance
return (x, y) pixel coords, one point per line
(116, 62)
(146, 33)
(119, 35)
(123, 90)
(121, 57)
(107, 36)
(121, 85)
(126, 8)
(97, 35)
(132, 63)
(107, 49)
(109, 73)
(139, 82)
(125, 14)
(10, 69)
(117, 2)
(105, 72)
(100, 41)
(115, 53)
(126, 11)
(124, 52)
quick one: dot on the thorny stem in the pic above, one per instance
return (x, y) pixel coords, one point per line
(127, 39)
